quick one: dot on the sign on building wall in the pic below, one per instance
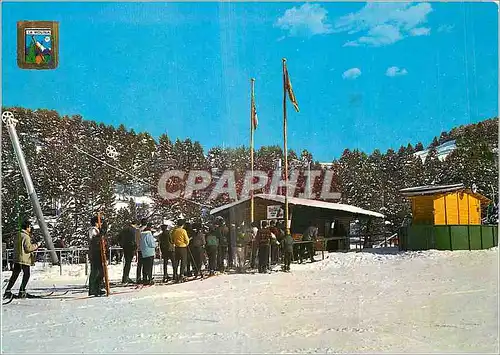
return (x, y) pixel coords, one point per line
(37, 44)
(275, 212)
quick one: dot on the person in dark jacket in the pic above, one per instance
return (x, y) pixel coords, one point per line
(167, 252)
(222, 253)
(231, 248)
(212, 246)
(310, 235)
(127, 241)
(275, 243)
(197, 247)
(287, 252)
(263, 240)
(96, 277)
(190, 262)
(23, 259)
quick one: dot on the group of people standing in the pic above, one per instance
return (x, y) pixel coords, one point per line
(187, 246)
(191, 247)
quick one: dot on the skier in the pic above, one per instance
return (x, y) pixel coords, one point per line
(190, 262)
(311, 236)
(287, 252)
(280, 226)
(167, 252)
(212, 246)
(222, 253)
(231, 250)
(148, 248)
(181, 241)
(255, 246)
(23, 259)
(263, 240)
(241, 243)
(96, 278)
(275, 243)
(129, 246)
(138, 231)
(197, 244)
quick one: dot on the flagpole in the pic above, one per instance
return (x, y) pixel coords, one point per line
(285, 148)
(251, 147)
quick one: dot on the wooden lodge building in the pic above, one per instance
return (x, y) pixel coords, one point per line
(332, 219)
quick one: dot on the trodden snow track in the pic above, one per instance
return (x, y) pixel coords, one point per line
(354, 302)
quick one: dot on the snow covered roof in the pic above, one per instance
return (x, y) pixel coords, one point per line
(430, 189)
(439, 189)
(304, 202)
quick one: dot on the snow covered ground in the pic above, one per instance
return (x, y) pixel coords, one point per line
(374, 301)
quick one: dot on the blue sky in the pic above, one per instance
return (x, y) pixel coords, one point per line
(365, 76)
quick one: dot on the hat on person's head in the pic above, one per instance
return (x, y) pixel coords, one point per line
(25, 223)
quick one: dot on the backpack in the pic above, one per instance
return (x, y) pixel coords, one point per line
(212, 240)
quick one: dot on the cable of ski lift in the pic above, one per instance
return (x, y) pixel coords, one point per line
(133, 176)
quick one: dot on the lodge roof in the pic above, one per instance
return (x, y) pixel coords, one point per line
(304, 202)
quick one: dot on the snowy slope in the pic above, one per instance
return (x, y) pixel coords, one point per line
(122, 201)
(443, 151)
(351, 302)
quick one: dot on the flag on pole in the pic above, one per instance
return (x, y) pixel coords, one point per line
(255, 120)
(289, 89)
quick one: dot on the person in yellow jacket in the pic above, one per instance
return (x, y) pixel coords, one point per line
(23, 250)
(181, 240)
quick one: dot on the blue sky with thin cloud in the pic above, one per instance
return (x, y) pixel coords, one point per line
(366, 76)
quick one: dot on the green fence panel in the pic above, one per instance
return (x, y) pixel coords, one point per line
(459, 237)
(419, 237)
(488, 236)
(442, 235)
(451, 237)
(475, 237)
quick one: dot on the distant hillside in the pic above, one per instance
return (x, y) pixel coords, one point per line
(443, 151)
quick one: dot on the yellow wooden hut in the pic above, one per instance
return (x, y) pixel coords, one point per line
(445, 204)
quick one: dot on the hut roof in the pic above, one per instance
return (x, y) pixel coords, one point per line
(440, 189)
(305, 202)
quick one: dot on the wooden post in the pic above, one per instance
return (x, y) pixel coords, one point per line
(103, 256)
(285, 151)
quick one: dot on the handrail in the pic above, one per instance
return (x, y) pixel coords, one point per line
(378, 245)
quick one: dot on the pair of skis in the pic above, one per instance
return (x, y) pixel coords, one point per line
(31, 296)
